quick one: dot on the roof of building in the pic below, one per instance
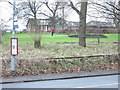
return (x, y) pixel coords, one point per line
(71, 23)
(100, 24)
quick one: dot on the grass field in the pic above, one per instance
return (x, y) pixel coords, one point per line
(31, 61)
(110, 37)
(55, 46)
(25, 38)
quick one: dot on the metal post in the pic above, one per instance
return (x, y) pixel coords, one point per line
(119, 31)
(13, 35)
(63, 17)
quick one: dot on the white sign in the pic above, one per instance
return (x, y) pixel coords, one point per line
(14, 46)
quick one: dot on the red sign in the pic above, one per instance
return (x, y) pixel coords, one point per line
(14, 46)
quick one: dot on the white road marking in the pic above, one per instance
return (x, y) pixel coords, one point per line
(98, 85)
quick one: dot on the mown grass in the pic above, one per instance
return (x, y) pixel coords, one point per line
(110, 37)
(25, 38)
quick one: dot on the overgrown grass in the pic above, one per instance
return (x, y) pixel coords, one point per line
(36, 67)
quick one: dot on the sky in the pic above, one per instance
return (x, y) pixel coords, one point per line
(6, 9)
(6, 13)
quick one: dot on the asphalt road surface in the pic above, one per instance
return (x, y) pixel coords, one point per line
(88, 82)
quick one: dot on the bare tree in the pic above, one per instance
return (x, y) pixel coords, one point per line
(0, 33)
(3, 28)
(82, 20)
(31, 9)
(109, 9)
(64, 13)
(52, 14)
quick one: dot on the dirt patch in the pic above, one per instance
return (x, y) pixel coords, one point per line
(89, 36)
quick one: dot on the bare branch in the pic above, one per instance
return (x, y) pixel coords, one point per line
(49, 7)
(115, 7)
(73, 7)
(45, 14)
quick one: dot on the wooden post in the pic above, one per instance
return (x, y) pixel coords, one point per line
(98, 40)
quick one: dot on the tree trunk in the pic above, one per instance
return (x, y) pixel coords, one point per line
(37, 43)
(82, 36)
(37, 40)
(82, 26)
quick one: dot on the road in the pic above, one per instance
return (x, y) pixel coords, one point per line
(87, 82)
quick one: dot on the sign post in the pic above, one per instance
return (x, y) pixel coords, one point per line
(14, 42)
(13, 52)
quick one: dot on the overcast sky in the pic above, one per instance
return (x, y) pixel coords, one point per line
(6, 12)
